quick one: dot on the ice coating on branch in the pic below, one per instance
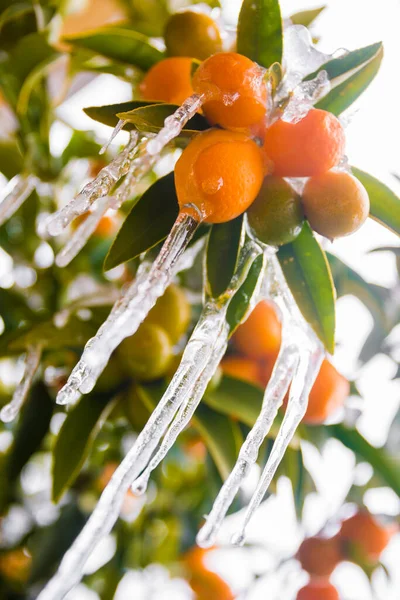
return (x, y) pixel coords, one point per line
(128, 314)
(304, 96)
(14, 195)
(98, 188)
(32, 361)
(174, 124)
(300, 56)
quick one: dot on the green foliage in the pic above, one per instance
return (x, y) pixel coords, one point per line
(244, 297)
(260, 31)
(151, 119)
(385, 205)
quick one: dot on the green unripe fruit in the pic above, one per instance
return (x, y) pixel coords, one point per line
(276, 215)
(192, 34)
(172, 313)
(146, 354)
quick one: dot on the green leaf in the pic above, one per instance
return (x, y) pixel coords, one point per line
(75, 439)
(242, 300)
(118, 43)
(237, 399)
(107, 115)
(148, 223)
(11, 160)
(222, 437)
(378, 458)
(32, 81)
(75, 333)
(31, 51)
(224, 243)
(151, 119)
(260, 31)
(307, 272)
(385, 205)
(343, 95)
(306, 17)
(33, 425)
(81, 145)
(337, 67)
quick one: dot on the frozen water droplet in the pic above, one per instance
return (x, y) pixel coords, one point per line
(32, 361)
(139, 486)
(238, 539)
(120, 125)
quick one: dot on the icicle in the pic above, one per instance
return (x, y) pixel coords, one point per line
(124, 321)
(174, 124)
(308, 368)
(14, 195)
(32, 361)
(304, 96)
(79, 238)
(120, 125)
(98, 188)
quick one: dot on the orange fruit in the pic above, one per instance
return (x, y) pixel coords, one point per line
(168, 81)
(105, 228)
(234, 89)
(147, 354)
(242, 368)
(363, 537)
(328, 393)
(276, 215)
(172, 312)
(335, 203)
(193, 34)
(310, 147)
(220, 172)
(260, 336)
(206, 584)
(318, 590)
(319, 556)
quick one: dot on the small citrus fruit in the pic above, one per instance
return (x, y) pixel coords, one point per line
(234, 89)
(335, 203)
(276, 215)
(206, 584)
(309, 147)
(146, 354)
(318, 590)
(220, 172)
(328, 393)
(171, 312)
(260, 335)
(319, 556)
(364, 537)
(193, 34)
(242, 368)
(168, 81)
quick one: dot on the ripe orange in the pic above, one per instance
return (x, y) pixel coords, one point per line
(234, 88)
(310, 147)
(328, 393)
(364, 537)
(220, 172)
(206, 584)
(318, 590)
(335, 203)
(319, 556)
(193, 34)
(260, 336)
(242, 368)
(168, 81)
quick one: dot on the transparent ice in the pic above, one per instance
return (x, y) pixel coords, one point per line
(304, 96)
(18, 189)
(10, 411)
(300, 56)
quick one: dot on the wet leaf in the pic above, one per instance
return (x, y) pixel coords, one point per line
(242, 300)
(259, 34)
(148, 223)
(124, 45)
(11, 159)
(343, 95)
(338, 67)
(151, 119)
(385, 205)
(74, 334)
(75, 439)
(107, 115)
(33, 426)
(307, 272)
(224, 243)
(306, 17)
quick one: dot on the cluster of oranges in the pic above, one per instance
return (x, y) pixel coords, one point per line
(257, 344)
(361, 539)
(243, 162)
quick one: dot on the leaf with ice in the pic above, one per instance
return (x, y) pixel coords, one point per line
(300, 56)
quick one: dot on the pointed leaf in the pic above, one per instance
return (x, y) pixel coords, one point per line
(242, 301)
(224, 243)
(337, 67)
(151, 119)
(75, 439)
(343, 95)
(124, 45)
(236, 398)
(107, 115)
(11, 159)
(307, 272)
(306, 17)
(148, 223)
(259, 34)
(385, 205)
(75, 333)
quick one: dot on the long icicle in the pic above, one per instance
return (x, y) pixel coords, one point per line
(307, 371)
(32, 362)
(149, 285)
(14, 195)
